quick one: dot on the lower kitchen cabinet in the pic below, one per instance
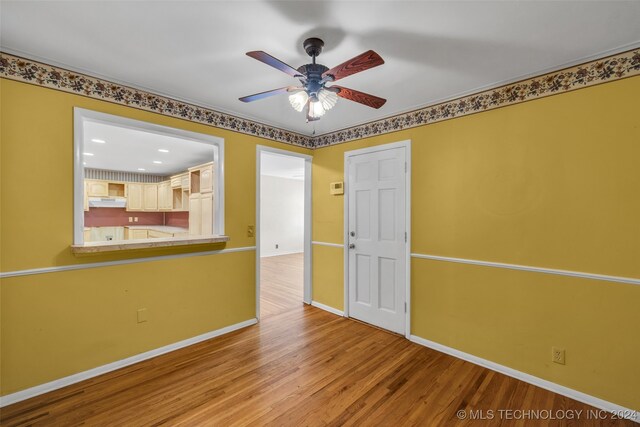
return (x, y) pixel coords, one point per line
(158, 234)
(138, 234)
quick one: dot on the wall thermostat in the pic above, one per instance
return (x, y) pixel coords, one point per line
(336, 188)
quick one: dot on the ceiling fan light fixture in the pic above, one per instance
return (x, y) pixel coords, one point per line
(298, 100)
(327, 98)
(313, 97)
(316, 109)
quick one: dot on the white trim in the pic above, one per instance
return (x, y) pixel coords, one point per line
(629, 280)
(327, 308)
(400, 144)
(333, 245)
(81, 376)
(307, 258)
(119, 262)
(547, 385)
(80, 115)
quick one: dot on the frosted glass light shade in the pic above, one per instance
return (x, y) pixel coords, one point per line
(327, 98)
(298, 100)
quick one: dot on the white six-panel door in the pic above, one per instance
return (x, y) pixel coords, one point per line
(376, 227)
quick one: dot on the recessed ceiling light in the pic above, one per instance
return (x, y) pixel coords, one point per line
(157, 162)
(99, 141)
(88, 154)
(163, 150)
(141, 169)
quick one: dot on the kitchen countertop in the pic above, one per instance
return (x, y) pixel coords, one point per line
(160, 228)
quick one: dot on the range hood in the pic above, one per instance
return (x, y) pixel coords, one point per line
(107, 202)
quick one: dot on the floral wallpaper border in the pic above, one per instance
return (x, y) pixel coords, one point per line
(37, 73)
(614, 67)
(603, 70)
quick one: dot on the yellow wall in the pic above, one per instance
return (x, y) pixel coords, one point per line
(551, 183)
(58, 324)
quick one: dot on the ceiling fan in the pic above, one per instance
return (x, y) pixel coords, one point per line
(314, 95)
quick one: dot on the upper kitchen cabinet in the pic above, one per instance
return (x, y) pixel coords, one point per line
(97, 188)
(201, 178)
(165, 196)
(150, 197)
(134, 197)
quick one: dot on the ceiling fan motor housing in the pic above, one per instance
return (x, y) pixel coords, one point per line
(313, 73)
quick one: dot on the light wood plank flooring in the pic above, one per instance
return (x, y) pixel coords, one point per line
(280, 283)
(300, 366)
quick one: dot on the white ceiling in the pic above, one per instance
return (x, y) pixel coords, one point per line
(195, 51)
(282, 166)
(128, 150)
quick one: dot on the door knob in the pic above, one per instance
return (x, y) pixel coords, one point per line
(352, 246)
(352, 234)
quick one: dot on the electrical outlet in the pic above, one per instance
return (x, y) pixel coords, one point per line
(557, 355)
(135, 219)
(142, 315)
(251, 231)
(130, 219)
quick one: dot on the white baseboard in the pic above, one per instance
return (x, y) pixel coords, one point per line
(327, 308)
(619, 411)
(81, 376)
(272, 254)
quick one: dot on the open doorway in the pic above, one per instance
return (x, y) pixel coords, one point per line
(283, 240)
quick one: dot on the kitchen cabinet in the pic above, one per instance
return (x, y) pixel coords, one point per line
(134, 197)
(138, 234)
(206, 178)
(201, 214)
(86, 197)
(201, 178)
(150, 197)
(158, 234)
(176, 181)
(104, 234)
(165, 196)
(206, 212)
(97, 188)
(180, 199)
(195, 214)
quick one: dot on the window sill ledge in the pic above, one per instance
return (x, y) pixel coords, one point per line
(125, 245)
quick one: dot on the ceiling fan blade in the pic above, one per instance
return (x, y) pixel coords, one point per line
(357, 96)
(362, 62)
(309, 117)
(274, 62)
(261, 95)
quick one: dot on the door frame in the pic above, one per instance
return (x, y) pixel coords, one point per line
(308, 160)
(347, 155)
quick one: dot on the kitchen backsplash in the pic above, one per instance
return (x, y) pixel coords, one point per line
(104, 217)
(177, 219)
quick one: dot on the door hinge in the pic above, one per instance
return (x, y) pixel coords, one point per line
(405, 167)
(405, 237)
(405, 307)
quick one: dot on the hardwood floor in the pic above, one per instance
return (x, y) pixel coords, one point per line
(300, 366)
(280, 283)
